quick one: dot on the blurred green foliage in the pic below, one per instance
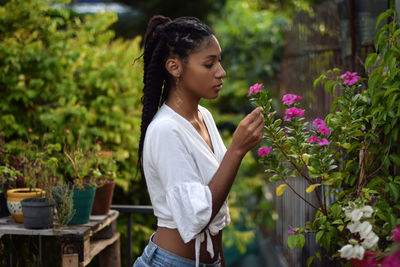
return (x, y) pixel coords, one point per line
(60, 72)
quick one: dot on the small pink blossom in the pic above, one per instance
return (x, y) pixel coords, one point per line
(318, 123)
(293, 112)
(291, 231)
(270, 113)
(289, 99)
(323, 142)
(99, 142)
(255, 88)
(324, 130)
(263, 151)
(67, 131)
(36, 137)
(392, 260)
(30, 130)
(350, 78)
(396, 234)
(313, 139)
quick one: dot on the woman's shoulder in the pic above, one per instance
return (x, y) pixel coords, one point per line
(162, 123)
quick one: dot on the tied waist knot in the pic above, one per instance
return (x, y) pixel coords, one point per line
(205, 235)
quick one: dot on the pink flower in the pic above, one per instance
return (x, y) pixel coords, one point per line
(396, 234)
(318, 123)
(30, 130)
(255, 88)
(291, 231)
(36, 137)
(350, 78)
(289, 99)
(323, 142)
(99, 142)
(392, 260)
(67, 131)
(313, 139)
(293, 112)
(270, 113)
(263, 151)
(323, 130)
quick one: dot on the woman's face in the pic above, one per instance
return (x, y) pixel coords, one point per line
(202, 71)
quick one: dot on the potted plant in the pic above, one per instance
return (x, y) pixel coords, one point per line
(22, 166)
(105, 171)
(79, 163)
(38, 212)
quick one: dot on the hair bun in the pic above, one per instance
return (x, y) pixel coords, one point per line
(154, 23)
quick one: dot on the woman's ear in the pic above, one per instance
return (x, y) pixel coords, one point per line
(174, 66)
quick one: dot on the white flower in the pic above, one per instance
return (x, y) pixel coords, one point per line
(364, 229)
(353, 227)
(356, 215)
(358, 252)
(347, 251)
(367, 210)
(370, 240)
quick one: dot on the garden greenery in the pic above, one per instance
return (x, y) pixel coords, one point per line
(349, 159)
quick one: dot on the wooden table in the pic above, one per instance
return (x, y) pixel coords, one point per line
(79, 243)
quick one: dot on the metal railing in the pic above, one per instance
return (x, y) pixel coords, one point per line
(129, 210)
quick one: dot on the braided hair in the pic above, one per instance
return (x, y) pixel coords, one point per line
(165, 37)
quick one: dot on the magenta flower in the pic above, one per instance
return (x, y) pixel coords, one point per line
(324, 130)
(293, 112)
(263, 151)
(392, 260)
(313, 139)
(289, 99)
(291, 231)
(396, 234)
(30, 130)
(323, 142)
(350, 78)
(318, 123)
(255, 88)
(67, 131)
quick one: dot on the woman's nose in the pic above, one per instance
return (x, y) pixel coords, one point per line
(221, 73)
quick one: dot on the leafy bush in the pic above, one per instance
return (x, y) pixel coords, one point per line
(60, 72)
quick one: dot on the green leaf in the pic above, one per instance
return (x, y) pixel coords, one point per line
(301, 240)
(382, 16)
(319, 80)
(371, 60)
(311, 188)
(395, 159)
(280, 189)
(330, 87)
(394, 191)
(292, 241)
(318, 236)
(310, 260)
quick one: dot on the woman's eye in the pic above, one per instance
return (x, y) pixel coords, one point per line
(208, 66)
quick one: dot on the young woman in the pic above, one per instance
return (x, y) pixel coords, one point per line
(187, 168)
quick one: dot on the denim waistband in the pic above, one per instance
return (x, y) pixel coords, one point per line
(152, 248)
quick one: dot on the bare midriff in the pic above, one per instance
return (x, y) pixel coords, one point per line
(170, 240)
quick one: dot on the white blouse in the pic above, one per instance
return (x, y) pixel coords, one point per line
(178, 166)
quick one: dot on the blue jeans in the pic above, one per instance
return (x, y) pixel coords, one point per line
(154, 256)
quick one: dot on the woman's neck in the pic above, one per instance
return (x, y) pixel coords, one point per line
(184, 105)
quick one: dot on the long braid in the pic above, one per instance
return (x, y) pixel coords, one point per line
(163, 38)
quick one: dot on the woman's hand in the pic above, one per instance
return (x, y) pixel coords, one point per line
(248, 133)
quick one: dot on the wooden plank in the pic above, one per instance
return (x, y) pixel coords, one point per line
(110, 256)
(96, 223)
(70, 260)
(98, 245)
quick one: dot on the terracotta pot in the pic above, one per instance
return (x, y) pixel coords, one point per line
(14, 196)
(103, 198)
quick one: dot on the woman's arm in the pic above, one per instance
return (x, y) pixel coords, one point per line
(247, 135)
